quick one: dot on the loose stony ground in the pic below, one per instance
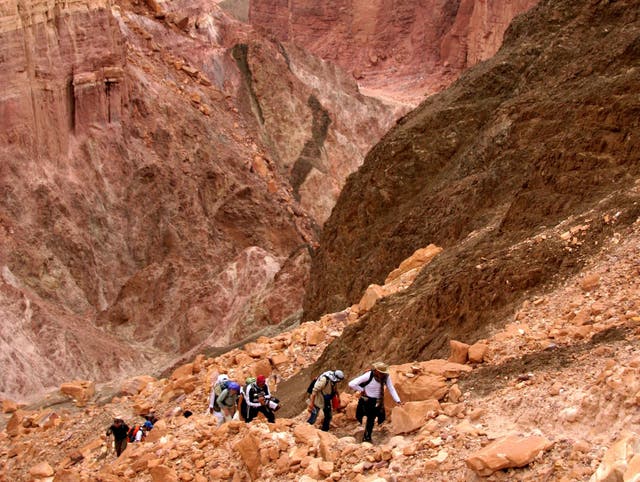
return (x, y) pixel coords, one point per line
(553, 395)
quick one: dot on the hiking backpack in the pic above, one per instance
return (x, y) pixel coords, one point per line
(131, 434)
(310, 387)
(217, 390)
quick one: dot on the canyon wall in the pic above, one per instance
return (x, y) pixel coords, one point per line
(405, 47)
(519, 171)
(164, 171)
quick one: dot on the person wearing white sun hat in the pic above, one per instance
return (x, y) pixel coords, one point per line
(370, 385)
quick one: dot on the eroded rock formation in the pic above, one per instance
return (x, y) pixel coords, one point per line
(159, 191)
(402, 48)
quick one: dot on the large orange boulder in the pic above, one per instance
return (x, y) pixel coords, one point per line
(507, 452)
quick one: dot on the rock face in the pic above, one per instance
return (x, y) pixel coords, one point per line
(518, 171)
(164, 171)
(404, 47)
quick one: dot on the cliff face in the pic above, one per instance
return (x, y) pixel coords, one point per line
(149, 204)
(407, 48)
(519, 171)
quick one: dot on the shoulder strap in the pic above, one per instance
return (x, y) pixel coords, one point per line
(364, 384)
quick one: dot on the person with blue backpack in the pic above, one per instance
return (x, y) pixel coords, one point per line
(370, 385)
(217, 388)
(322, 392)
(228, 400)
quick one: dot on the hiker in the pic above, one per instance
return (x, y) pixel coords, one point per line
(216, 390)
(243, 408)
(228, 400)
(136, 434)
(371, 385)
(322, 394)
(258, 398)
(119, 429)
(151, 419)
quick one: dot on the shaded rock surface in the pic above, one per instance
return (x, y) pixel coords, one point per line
(519, 171)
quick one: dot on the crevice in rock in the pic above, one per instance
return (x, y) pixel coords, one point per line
(311, 152)
(239, 53)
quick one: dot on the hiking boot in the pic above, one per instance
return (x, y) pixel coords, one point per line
(366, 439)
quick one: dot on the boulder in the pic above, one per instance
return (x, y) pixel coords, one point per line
(9, 406)
(412, 415)
(371, 295)
(459, 352)
(327, 447)
(256, 350)
(444, 368)
(182, 371)
(315, 335)
(621, 461)
(306, 434)
(41, 470)
(14, 425)
(477, 352)
(279, 359)
(135, 385)
(249, 450)
(590, 282)
(262, 367)
(421, 387)
(507, 452)
(162, 473)
(79, 390)
(418, 259)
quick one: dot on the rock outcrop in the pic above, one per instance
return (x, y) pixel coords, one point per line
(403, 48)
(519, 171)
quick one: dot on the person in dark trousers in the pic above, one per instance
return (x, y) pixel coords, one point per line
(119, 430)
(371, 387)
(322, 395)
(257, 397)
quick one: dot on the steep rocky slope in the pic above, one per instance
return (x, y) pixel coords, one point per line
(559, 383)
(401, 48)
(533, 147)
(164, 171)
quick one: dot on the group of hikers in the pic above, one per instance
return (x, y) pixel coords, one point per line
(370, 386)
(122, 433)
(231, 401)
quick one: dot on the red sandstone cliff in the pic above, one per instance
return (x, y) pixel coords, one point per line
(408, 48)
(163, 173)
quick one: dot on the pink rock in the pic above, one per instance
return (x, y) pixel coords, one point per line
(371, 295)
(510, 451)
(418, 259)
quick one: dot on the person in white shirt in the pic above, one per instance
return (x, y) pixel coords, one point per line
(371, 387)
